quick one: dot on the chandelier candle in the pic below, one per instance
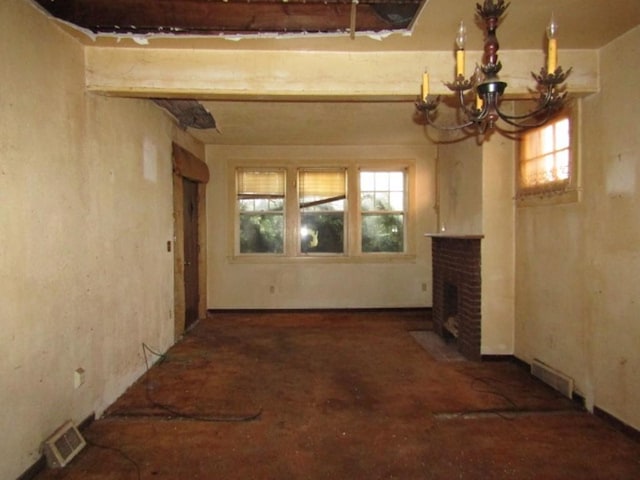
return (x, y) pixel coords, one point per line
(552, 46)
(425, 86)
(461, 39)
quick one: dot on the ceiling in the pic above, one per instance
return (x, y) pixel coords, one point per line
(211, 17)
(311, 123)
(329, 25)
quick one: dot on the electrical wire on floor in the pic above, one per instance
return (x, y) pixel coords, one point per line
(492, 391)
(180, 414)
(119, 451)
(508, 413)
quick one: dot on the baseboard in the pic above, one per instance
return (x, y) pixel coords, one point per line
(498, 358)
(41, 464)
(577, 398)
(617, 424)
(84, 424)
(31, 472)
(213, 311)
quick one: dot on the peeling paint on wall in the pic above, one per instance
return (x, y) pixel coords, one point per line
(150, 161)
(621, 175)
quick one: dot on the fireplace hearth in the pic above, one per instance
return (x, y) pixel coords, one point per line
(457, 291)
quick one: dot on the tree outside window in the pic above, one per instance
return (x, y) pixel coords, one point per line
(261, 195)
(382, 208)
(303, 211)
(322, 201)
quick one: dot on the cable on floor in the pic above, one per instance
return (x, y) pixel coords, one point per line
(492, 391)
(180, 414)
(119, 452)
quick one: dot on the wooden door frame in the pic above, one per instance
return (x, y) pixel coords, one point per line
(186, 165)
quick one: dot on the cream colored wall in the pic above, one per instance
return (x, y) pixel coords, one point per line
(309, 284)
(498, 247)
(85, 203)
(578, 275)
(475, 196)
(460, 188)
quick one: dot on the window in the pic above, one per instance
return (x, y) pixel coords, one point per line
(261, 195)
(333, 212)
(545, 158)
(322, 197)
(382, 207)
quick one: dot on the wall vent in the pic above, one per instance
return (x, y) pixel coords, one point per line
(63, 445)
(553, 378)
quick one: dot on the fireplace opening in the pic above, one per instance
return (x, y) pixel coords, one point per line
(450, 326)
(457, 292)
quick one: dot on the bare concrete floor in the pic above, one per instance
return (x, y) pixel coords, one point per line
(340, 396)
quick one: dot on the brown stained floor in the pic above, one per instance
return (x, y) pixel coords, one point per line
(341, 396)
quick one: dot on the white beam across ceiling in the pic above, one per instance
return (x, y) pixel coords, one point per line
(304, 75)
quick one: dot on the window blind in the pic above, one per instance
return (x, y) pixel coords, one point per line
(321, 186)
(261, 183)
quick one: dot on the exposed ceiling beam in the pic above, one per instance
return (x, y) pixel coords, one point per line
(353, 76)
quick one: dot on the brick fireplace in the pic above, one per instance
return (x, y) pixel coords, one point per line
(457, 291)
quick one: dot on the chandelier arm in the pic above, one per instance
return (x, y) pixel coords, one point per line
(523, 126)
(513, 134)
(431, 104)
(534, 113)
(547, 110)
(545, 102)
(449, 127)
(471, 114)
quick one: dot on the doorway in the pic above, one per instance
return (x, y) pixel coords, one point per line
(190, 176)
(191, 267)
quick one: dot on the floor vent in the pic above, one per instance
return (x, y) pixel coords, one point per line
(552, 377)
(63, 445)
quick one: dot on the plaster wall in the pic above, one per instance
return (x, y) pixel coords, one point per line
(498, 246)
(475, 196)
(307, 282)
(460, 188)
(86, 212)
(578, 284)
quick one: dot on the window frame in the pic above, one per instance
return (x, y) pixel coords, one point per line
(238, 212)
(551, 193)
(292, 213)
(404, 211)
(300, 171)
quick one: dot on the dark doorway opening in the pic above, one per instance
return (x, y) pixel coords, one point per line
(191, 267)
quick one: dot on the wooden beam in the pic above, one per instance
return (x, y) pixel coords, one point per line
(307, 75)
(188, 166)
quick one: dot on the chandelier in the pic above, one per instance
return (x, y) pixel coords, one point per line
(479, 96)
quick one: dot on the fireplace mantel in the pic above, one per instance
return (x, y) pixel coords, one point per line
(455, 236)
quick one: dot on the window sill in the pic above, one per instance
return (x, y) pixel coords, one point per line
(535, 199)
(323, 259)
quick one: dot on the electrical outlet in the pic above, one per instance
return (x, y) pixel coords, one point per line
(78, 377)
(424, 287)
(272, 289)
